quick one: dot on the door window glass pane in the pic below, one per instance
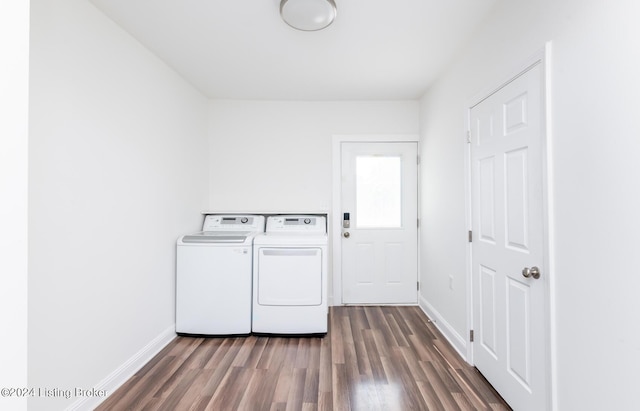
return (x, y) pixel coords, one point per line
(378, 192)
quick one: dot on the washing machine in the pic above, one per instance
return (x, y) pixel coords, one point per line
(214, 276)
(290, 276)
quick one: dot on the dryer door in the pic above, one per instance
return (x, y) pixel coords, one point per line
(289, 276)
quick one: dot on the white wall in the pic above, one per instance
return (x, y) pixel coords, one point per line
(275, 156)
(118, 170)
(14, 91)
(595, 190)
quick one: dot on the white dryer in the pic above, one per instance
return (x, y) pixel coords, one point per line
(213, 276)
(290, 276)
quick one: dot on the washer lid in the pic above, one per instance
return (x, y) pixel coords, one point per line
(217, 237)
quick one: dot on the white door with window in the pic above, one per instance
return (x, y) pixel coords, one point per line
(509, 281)
(379, 222)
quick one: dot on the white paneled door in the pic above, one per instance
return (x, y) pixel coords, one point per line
(379, 223)
(509, 290)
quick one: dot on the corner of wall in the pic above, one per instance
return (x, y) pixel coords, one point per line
(449, 333)
(14, 162)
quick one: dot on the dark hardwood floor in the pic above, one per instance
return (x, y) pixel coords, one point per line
(373, 358)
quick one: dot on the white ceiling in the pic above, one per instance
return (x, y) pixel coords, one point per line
(241, 49)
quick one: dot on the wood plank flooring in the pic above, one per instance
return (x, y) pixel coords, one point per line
(373, 358)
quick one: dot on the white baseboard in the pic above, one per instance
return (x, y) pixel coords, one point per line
(454, 338)
(120, 375)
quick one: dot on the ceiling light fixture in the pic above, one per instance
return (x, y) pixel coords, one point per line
(308, 15)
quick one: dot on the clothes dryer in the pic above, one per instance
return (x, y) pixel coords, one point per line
(290, 276)
(214, 275)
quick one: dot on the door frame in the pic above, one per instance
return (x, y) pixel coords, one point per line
(336, 203)
(543, 58)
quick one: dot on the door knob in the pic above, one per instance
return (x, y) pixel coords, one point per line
(531, 272)
(346, 234)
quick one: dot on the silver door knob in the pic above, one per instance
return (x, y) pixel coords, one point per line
(346, 234)
(533, 272)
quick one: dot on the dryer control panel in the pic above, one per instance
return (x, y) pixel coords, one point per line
(220, 222)
(296, 223)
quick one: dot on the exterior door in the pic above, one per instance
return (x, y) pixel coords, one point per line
(379, 230)
(509, 290)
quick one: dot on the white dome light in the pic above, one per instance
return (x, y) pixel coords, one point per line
(308, 15)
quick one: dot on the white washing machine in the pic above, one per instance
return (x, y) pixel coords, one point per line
(290, 276)
(213, 276)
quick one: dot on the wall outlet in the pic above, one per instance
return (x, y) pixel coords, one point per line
(451, 282)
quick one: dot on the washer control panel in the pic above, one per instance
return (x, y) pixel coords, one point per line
(297, 223)
(220, 222)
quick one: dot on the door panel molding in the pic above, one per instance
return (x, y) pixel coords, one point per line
(336, 208)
